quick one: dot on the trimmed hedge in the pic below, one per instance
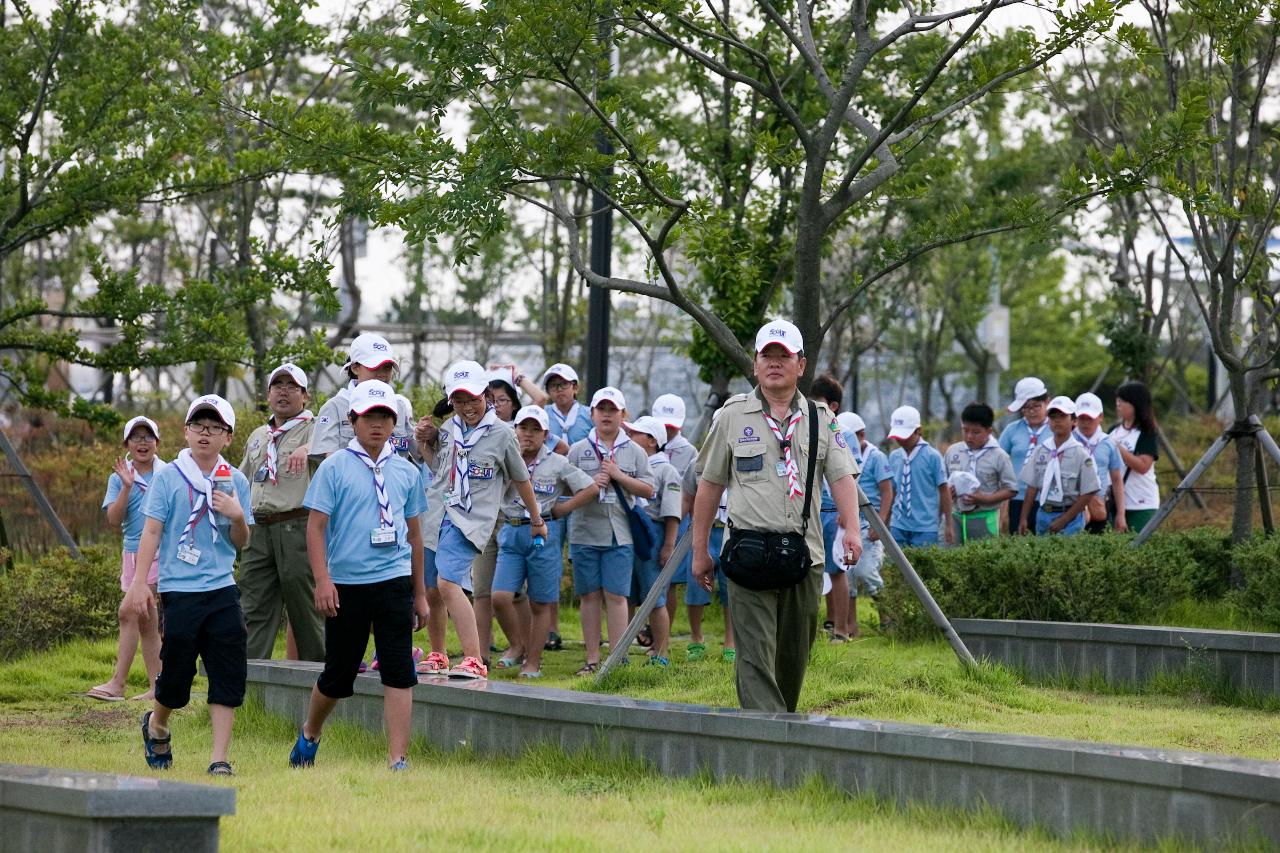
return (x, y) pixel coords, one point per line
(1069, 579)
(1259, 562)
(56, 599)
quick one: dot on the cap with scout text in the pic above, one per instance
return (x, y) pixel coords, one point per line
(609, 394)
(850, 422)
(141, 420)
(1063, 404)
(371, 351)
(294, 372)
(669, 410)
(213, 403)
(466, 376)
(904, 421)
(564, 371)
(373, 394)
(650, 426)
(533, 413)
(1028, 388)
(780, 332)
(1089, 405)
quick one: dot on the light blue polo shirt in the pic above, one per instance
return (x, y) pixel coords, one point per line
(344, 483)
(576, 430)
(928, 472)
(1016, 440)
(1106, 458)
(134, 518)
(170, 500)
(875, 469)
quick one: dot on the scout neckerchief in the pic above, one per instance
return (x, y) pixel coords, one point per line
(618, 440)
(385, 518)
(1090, 445)
(544, 452)
(460, 479)
(202, 494)
(903, 500)
(784, 441)
(1051, 485)
(975, 456)
(275, 434)
(566, 420)
(1033, 438)
(138, 483)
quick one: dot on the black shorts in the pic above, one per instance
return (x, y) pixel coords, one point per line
(208, 625)
(387, 608)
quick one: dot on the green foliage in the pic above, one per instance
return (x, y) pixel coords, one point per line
(57, 598)
(1059, 579)
(1259, 560)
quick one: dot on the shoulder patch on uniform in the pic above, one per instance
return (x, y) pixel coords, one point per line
(324, 419)
(840, 439)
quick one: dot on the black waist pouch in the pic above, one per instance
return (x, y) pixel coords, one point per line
(765, 561)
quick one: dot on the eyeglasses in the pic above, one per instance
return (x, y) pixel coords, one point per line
(556, 386)
(208, 429)
(144, 438)
(289, 387)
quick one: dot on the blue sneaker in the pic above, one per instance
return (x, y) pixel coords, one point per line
(401, 764)
(304, 752)
(658, 660)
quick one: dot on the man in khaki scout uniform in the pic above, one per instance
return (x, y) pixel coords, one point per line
(274, 567)
(759, 445)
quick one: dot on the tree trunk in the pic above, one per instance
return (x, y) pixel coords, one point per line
(806, 309)
(1246, 457)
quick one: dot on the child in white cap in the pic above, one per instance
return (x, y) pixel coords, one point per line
(664, 513)
(922, 502)
(1020, 439)
(369, 357)
(1060, 476)
(1106, 459)
(126, 494)
(876, 482)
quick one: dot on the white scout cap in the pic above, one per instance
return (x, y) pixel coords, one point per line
(1063, 404)
(533, 413)
(610, 394)
(564, 371)
(466, 376)
(295, 373)
(780, 332)
(904, 421)
(215, 404)
(850, 422)
(669, 410)
(141, 420)
(1089, 405)
(371, 351)
(373, 394)
(1028, 388)
(649, 425)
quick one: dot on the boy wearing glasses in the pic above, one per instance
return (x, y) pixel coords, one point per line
(1021, 439)
(198, 515)
(274, 570)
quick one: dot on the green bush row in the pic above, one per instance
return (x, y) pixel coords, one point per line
(57, 598)
(1082, 579)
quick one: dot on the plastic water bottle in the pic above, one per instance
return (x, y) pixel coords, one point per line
(539, 541)
(222, 483)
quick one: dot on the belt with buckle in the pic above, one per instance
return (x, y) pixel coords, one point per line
(1047, 507)
(717, 525)
(517, 522)
(277, 517)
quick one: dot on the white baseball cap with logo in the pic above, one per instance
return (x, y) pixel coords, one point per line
(141, 420)
(564, 371)
(1089, 405)
(371, 351)
(533, 413)
(780, 332)
(850, 422)
(609, 394)
(649, 425)
(295, 373)
(1063, 404)
(1028, 388)
(212, 403)
(669, 410)
(373, 394)
(466, 376)
(904, 421)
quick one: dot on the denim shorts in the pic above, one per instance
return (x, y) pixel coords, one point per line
(830, 524)
(696, 596)
(519, 562)
(916, 538)
(597, 567)
(1044, 518)
(644, 574)
(452, 558)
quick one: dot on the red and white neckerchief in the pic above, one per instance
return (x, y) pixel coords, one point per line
(1034, 438)
(618, 441)
(784, 441)
(460, 477)
(275, 434)
(138, 483)
(385, 517)
(1051, 485)
(201, 494)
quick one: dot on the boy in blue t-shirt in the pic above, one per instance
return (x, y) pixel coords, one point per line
(197, 517)
(126, 495)
(876, 482)
(364, 542)
(922, 501)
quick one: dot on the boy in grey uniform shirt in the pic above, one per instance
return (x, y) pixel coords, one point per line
(664, 511)
(1060, 476)
(371, 357)
(600, 542)
(991, 481)
(520, 559)
(478, 457)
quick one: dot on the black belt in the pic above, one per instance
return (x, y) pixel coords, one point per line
(1048, 507)
(277, 517)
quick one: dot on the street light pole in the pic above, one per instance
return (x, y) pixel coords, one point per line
(598, 301)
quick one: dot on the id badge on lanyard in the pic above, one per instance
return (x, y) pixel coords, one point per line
(189, 554)
(383, 537)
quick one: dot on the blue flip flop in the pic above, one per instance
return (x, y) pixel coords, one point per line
(155, 760)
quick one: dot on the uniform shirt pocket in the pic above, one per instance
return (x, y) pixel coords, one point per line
(749, 462)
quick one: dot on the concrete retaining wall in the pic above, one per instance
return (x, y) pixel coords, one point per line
(1126, 654)
(1064, 786)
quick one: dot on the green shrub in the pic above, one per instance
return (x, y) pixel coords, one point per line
(57, 598)
(1060, 579)
(1259, 561)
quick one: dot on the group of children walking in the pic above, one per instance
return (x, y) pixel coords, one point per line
(410, 524)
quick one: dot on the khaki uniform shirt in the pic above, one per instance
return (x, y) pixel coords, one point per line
(742, 453)
(493, 463)
(990, 464)
(1079, 474)
(602, 521)
(666, 480)
(287, 492)
(551, 476)
(333, 431)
